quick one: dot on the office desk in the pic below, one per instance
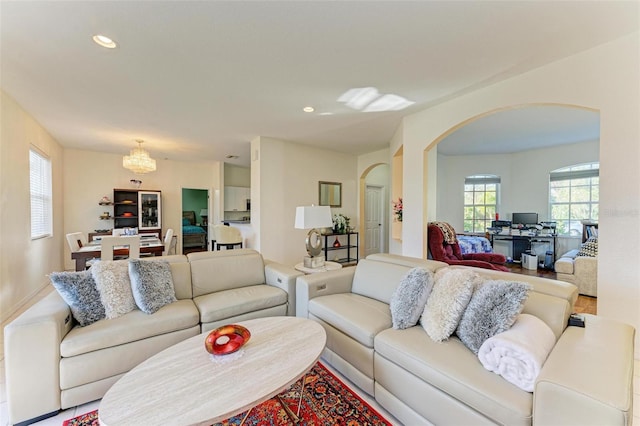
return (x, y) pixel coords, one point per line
(522, 243)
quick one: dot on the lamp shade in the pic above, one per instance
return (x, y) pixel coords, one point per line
(204, 212)
(308, 217)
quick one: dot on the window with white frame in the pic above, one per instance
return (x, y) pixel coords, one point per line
(41, 195)
(574, 195)
(481, 194)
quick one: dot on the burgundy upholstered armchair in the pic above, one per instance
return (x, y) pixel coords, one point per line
(445, 248)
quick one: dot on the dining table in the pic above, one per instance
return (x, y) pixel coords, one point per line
(153, 246)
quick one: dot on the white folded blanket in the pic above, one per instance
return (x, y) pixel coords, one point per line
(519, 353)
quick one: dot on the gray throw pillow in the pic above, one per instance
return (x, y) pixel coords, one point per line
(112, 281)
(151, 284)
(451, 293)
(493, 308)
(409, 298)
(78, 290)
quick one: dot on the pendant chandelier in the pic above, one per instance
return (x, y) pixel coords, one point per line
(139, 161)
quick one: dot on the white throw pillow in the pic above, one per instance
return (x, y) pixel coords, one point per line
(451, 293)
(409, 298)
(112, 281)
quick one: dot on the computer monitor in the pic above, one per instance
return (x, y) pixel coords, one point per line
(524, 218)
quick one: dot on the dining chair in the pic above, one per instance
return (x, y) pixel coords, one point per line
(108, 244)
(169, 243)
(76, 240)
(117, 232)
(226, 236)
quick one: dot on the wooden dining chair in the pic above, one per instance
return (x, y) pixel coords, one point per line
(108, 244)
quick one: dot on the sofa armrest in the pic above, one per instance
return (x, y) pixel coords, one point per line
(284, 277)
(588, 377)
(321, 284)
(32, 358)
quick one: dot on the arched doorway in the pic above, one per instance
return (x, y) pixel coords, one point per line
(374, 211)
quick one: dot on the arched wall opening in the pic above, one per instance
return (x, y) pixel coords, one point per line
(527, 165)
(373, 208)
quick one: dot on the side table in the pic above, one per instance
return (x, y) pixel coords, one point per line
(328, 266)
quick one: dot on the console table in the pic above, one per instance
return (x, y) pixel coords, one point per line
(522, 243)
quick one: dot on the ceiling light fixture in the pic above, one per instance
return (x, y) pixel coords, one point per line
(308, 109)
(232, 157)
(104, 41)
(139, 161)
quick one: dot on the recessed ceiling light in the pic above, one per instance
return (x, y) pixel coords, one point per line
(104, 41)
(308, 109)
(232, 157)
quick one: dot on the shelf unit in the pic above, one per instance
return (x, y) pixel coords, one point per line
(134, 208)
(344, 252)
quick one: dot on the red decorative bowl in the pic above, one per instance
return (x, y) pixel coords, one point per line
(127, 214)
(226, 339)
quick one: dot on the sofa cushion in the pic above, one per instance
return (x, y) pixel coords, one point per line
(377, 280)
(78, 290)
(357, 316)
(112, 281)
(409, 298)
(456, 371)
(151, 284)
(229, 303)
(451, 293)
(493, 308)
(130, 327)
(213, 271)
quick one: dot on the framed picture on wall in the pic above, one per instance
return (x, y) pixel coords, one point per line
(330, 194)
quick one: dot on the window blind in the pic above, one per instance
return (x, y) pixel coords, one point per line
(573, 174)
(41, 195)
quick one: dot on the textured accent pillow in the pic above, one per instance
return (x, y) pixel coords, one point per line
(151, 284)
(589, 248)
(112, 281)
(185, 221)
(451, 293)
(493, 308)
(409, 298)
(78, 290)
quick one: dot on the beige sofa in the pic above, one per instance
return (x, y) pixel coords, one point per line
(582, 271)
(587, 378)
(52, 364)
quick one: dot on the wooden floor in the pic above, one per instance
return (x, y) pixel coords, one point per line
(584, 304)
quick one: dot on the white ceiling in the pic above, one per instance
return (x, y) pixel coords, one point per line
(199, 79)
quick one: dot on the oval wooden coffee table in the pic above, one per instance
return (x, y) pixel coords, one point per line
(182, 385)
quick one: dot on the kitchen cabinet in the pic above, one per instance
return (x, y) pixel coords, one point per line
(236, 198)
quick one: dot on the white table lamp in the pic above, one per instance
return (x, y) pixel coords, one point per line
(312, 217)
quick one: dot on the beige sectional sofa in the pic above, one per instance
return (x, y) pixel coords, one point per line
(52, 364)
(582, 271)
(586, 379)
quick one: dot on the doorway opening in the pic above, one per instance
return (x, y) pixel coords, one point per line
(195, 220)
(374, 201)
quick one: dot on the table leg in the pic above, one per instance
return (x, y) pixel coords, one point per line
(295, 417)
(81, 264)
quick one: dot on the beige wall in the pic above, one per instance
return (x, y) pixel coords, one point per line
(604, 78)
(89, 175)
(286, 175)
(24, 263)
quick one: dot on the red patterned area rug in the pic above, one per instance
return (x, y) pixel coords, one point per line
(326, 401)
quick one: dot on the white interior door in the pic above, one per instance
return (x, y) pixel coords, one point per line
(374, 201)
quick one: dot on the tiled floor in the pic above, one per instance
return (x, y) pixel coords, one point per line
(72, 412)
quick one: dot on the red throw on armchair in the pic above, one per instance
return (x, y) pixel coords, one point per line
(445, 248)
